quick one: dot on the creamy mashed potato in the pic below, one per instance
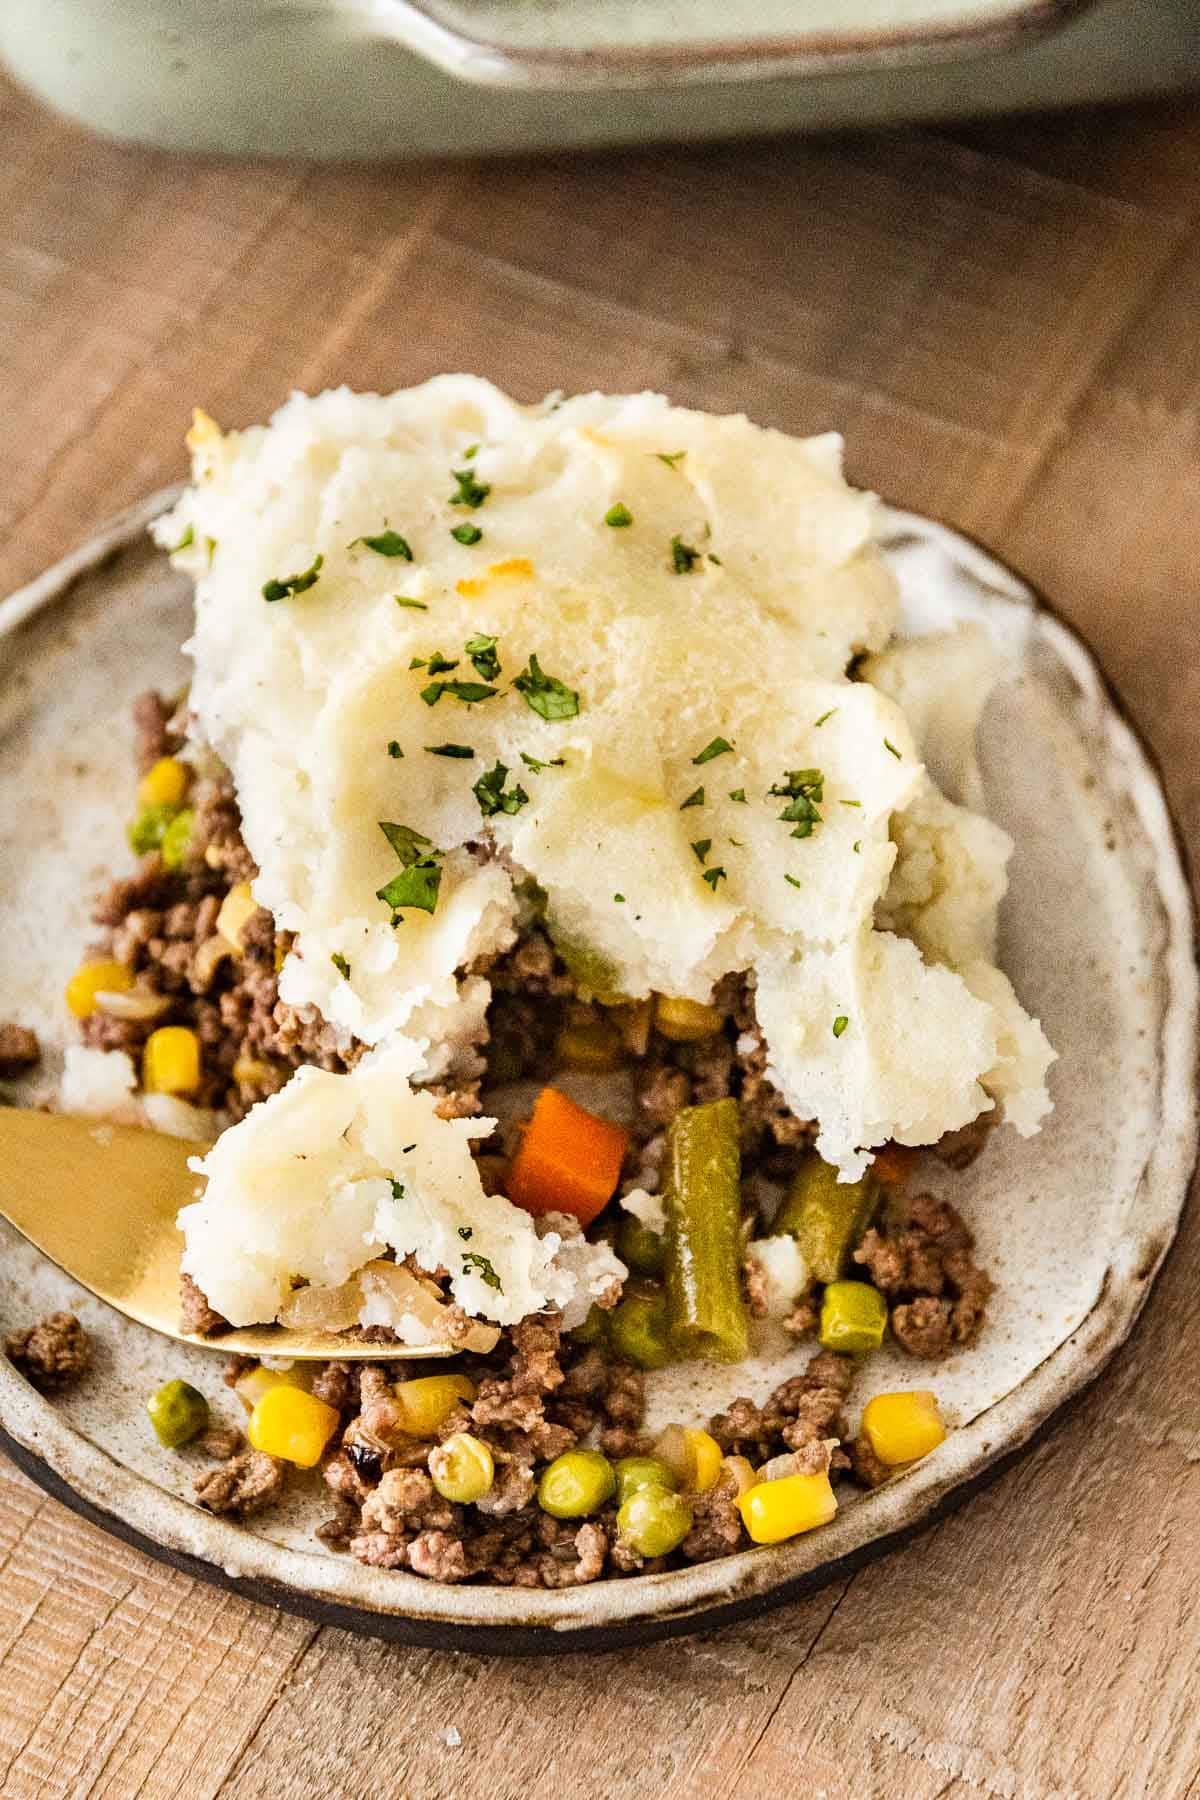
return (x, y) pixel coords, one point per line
(611, 638)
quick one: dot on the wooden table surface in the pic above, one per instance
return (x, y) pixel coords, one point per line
(1004, 322)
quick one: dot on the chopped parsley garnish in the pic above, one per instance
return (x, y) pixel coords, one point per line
(739, 794)
(492, 795)
(695, 798)
(437, 664)
(712, 876)
(713, 558)
(619, 899)
(210, 545)
(531, 762)
(471, 451)
(397, 1188)
(466, 691)
(487, 1273)
(470, 492)
(421, 876)
(840, 1024)
(466, 1233)
(683, 557)
(341, 965)
(407, 600)
(857, 847)
(466, 534)
(482, 651)
(189, 537)
(718, 747)
(803, 790)
(394, 750)
(672, 458)
(463, 752)
(545, 694)
(385, 543)
(825, 715)
(279, 589)
(701, 848)
(791, 881)
(618, 515)
(849, 802)
(888, 745)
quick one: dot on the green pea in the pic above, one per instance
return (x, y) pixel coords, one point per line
(642, 1250)
(654, 1521)
(178, 1413)
(462, 1469)
(177, 838)
(640, 1330)
(853, 1317)
(575, 1484)
(146, 832)
(635, 1472)
(594, 1329)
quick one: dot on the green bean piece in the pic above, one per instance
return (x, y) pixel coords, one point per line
(178, 1413)
(639, 1248)
(702, 1193)
(634, 1472)
(145, 833)
(654, 1521)
(853, 1317)
(177, 838)
(827, 1217)
(640, 1330)
(575, 1484)
(594, 1329)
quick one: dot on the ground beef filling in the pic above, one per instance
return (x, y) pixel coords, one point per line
(52, 1353)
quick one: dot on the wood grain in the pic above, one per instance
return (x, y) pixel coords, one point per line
(1003, 321)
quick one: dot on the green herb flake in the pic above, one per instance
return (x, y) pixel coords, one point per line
(618, 516)
(469, 492)
(701, 848)
(803, 790)
(545, 694)
(713, 558)
(469, 692)
(494, 797)
(824, 716)
(840, 1024)
(385, 543)
(888, 745)
(712, 876)
(471, 452)
(461, 752)
(482, 651)
(394, 750)
(397, 1188)
(466, 1233)
(487, 1273)
(407, 600)
(695, 798)
(279, 589)
(341, 965)
(791, 881)
(466, 534)
(849, 802)
(857, 846)
(437, 664)
(672, 458)
(210, 545)
(683, 556)
(188, 538)
(619, 899)
(719, 747)
(421, 877)
(739, 794)
(532, 762)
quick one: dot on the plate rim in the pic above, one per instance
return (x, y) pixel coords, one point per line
(74, 1469)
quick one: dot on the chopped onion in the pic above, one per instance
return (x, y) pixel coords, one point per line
(135, 1003)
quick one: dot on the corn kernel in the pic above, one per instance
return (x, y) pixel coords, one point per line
(594, 1045)
(165, 784)
(901, 1428)
(692, 1455)
(238, 906)
(292, 1425)
(774, 1510)
(92, 978)
(686, 1021)
(427, 1402)
(171, 1061)
(258, 1381)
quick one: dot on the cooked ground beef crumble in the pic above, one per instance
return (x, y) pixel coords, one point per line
(52, 1353)
(538, 1393)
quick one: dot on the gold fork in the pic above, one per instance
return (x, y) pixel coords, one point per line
(100, 1201)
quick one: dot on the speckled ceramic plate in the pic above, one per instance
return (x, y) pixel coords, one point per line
(1097, 933)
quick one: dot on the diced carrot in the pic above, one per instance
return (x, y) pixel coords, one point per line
(893, 1164)
(568, 1160)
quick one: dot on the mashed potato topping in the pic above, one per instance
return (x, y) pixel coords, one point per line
(609, 638)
